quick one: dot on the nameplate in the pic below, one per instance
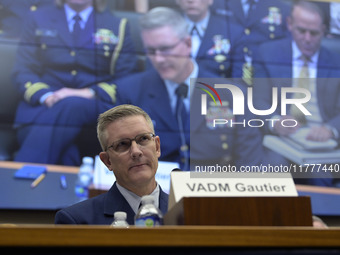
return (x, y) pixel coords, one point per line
(189, 184)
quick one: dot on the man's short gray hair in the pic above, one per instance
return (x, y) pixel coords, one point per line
(164, 16)
(115, 114)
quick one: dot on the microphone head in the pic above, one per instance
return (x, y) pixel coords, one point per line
(176, 170)
(182, 90)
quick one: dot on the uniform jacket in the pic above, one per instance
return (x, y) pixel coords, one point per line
(47, 60)
(99, 210)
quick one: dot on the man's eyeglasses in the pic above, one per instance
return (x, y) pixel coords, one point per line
(124, 145)
(164, 50)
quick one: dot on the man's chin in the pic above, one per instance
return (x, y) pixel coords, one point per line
(142, 178)
(308, 53)
(166, 74)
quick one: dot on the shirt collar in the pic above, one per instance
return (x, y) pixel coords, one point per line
(297, 54)
(85, 14)
(200, 25)
(134, 200)
(246, 2)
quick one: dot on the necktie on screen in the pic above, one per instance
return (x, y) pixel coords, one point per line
(248, 73)
(77, 30)
(194, 31)
(251, 7)
(195, 41)
(182, 117)
(303, 81)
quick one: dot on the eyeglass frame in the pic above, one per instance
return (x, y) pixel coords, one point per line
(165, 50)
(130, 141)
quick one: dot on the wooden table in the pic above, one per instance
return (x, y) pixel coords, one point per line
(165, 239)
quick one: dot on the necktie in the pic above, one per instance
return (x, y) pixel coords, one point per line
(194, 31)
(251, 6)
(195, 41)
(182, 117)
(248, 72)
(76, 30)
(303, 81)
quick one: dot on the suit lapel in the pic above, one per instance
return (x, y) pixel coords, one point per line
(323, 86)
(207, 41)
(159, 99)
(236, 7)
(92, 23)
(115, 201)
(163, 201)
(323, 68)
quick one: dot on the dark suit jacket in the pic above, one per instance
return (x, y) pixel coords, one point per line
(274, 60)
(99, 210)
(212, 146)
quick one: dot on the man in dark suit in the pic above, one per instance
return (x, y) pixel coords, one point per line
(131, 150)
(214, 37)
(157, 91)
(298, 55)
(66, 61)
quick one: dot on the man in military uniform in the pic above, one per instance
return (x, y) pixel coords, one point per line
(260, 21)
(66, 61)
(159, 91)
(213, 37)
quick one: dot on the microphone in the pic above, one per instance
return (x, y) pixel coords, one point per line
(176, 170)
(182, 90)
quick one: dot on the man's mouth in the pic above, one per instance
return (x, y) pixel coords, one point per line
(137, 165)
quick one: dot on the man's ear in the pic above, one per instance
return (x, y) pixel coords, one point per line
(104, 157)
(158, 146)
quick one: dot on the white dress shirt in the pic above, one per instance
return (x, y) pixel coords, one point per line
(134, 200)
(196, 39)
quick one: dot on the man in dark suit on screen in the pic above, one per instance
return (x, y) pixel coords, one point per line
(304, 63)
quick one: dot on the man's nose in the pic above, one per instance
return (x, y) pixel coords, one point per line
(158, 56)
(135, 150)
(308, 36)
